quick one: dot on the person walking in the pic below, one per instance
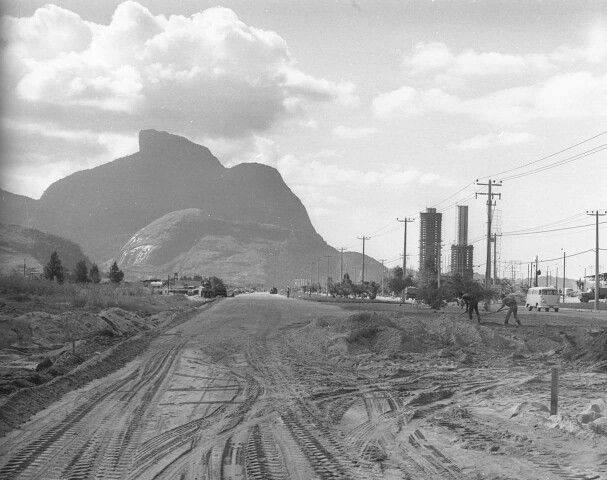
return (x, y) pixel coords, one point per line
(510, 302)
(471, 302)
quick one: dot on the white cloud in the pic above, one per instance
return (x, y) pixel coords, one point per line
(568, 95)
(343, 131)
(566, 83)
(403, 99)
(209, 73)
(437, 58)
(500, 139)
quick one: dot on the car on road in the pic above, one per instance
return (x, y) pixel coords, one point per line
(542, 297)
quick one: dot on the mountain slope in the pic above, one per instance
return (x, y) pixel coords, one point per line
(17, 209)
(19, 244)
(191, 242)
(103, 207)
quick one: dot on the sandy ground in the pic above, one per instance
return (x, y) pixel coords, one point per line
(264, 387)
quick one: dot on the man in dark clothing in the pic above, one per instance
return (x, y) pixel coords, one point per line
(510, 302)
(471, 303)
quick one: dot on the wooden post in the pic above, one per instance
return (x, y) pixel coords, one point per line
(554, 391)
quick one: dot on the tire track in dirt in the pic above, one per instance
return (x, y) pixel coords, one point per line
(27, 455)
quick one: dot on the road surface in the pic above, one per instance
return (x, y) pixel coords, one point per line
(245, 390)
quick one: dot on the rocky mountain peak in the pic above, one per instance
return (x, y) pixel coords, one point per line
(156, 143)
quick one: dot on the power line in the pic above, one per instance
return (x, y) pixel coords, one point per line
(587, 153)
(451, 196)
(547, 156)
(514, 234)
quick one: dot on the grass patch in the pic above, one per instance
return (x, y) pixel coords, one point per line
(16, 289)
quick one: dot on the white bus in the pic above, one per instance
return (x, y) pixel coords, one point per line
(542, 297)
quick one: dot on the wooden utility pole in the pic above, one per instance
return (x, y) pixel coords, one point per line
(564, 275)
(494, 240)
(535, 274)
(364, 239)
(489, 193)
(405, 221)
(597, 274)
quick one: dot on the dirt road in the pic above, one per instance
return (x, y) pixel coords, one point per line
(253, 389)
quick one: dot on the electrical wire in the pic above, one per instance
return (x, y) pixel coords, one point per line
(587, 153)
(547, 156)
(512, 234)
(451, 196)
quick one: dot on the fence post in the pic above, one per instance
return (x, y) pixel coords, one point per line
(554, 391)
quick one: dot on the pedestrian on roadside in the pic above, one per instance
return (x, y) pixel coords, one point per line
(471, 302)
(510, 302)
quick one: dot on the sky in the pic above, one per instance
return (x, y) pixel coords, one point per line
(369, 110)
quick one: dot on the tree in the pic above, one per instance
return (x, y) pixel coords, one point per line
(53, 270)
(81, 274)
(116, 275)
(214, 287)
(94, 273)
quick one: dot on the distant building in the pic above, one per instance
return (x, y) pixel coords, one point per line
(429, 243)
(462, 254)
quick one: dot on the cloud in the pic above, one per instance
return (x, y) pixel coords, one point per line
(566, 83)
(565, 96)
(437, 58)
(208, 73)
(343, 131)
(501, 139)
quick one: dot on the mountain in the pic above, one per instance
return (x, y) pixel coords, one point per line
(19, 244)
(17, 209)
(103, 207)
(193, 243)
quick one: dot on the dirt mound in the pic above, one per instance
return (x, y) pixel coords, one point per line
(45, 330)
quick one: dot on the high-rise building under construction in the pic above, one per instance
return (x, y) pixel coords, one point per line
(462, 253)
(429, 243)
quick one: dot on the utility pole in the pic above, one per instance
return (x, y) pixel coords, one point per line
(494, 240)
(564, 275)
(341, 264)
(405, 221)
(596, 214)
(490, 184)
(364, 239)
(535, 274)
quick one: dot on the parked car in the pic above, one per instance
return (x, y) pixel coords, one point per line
(585, 297)
(542, 297)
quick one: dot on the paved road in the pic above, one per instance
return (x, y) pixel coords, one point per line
(245, 390)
